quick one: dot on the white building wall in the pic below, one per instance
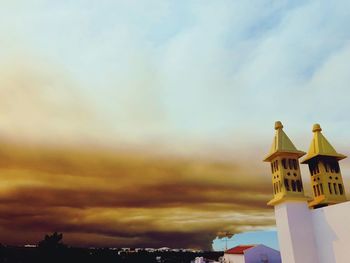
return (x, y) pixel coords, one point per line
(260, 253)
(295, 233)
(332, 232)
(199, 260)
(231, 258)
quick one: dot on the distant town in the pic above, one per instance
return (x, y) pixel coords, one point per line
(52, 249)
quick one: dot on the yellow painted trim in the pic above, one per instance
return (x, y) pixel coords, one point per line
(318, 200)
(324, 199)
(289, 198)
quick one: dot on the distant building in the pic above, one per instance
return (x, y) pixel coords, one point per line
(310, 230)
(198, 260)
(203, 260)
(251, 254)
(30, 245)
(164, 249)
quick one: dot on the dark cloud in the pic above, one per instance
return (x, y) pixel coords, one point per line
(119, 199)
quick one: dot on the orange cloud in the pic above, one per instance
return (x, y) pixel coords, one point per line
(123, 199)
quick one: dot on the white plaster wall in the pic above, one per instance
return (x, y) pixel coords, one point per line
(295, 233)
(332, 232)
(255, 255)
(231, 258)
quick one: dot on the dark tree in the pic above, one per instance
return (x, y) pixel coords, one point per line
(53, 241)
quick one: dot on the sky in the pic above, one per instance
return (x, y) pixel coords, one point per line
(144, 123)
(267, 237)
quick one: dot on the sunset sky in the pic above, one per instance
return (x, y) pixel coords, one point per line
(144, 123)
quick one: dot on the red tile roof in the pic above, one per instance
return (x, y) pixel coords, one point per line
(238, 249)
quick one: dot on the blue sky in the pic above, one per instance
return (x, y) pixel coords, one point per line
(196, 70)
(267, 238)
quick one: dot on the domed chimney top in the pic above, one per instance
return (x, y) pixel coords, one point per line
(278, 125)
(316, 128)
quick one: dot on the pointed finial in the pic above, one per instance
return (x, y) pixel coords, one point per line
(316, 128)
(278, 125)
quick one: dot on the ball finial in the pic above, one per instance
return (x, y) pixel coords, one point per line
(278, 125)
(316, 127)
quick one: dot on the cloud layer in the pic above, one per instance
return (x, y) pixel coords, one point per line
(181, 71)
(122, 199)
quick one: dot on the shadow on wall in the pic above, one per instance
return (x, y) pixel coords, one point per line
(325, 236)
